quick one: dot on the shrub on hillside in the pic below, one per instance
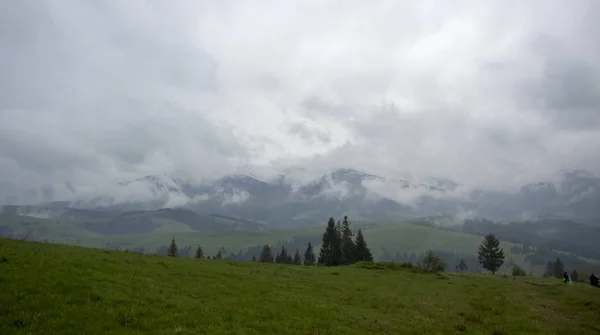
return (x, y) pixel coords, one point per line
(518, 271)
(434, 263)
(390, 266)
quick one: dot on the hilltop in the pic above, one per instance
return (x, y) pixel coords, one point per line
(51, 288)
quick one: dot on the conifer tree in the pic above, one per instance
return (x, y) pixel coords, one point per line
(254, 258)
(328, 245)
(348, 246)
(199, 252)
(173, 251)
(309, 255)
(490, 255)
(363, 253)
(338, 257)
(297, 258)
(219, 255)
(549, 272)
(283, 257)
(266, 254)
(558, 268)
(462, 266)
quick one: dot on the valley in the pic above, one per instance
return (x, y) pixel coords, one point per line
(239, 213)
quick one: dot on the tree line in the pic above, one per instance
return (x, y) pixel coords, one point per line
(340, 246)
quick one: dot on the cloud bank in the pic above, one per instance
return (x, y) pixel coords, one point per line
(489, 94)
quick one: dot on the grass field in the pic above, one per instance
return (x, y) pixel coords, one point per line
(58, 289)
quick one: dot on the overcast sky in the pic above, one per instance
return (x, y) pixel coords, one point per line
(483, 92)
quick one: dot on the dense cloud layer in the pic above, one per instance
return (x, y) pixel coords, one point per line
(493, 94)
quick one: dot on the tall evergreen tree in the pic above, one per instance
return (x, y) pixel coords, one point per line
(173, 251)
(558, 268)
(254, 258)
(297, 258)
(338, 257)
(199, 252)
(266, 254)
(283, 257)
(363, 253)
(462, 266)
(490, 255)
(348, 246)
(328, 244)
(309, 255)
(549, 269)
(219, 255)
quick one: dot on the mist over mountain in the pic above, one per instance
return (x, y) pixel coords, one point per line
(289, 199)
(286, 114)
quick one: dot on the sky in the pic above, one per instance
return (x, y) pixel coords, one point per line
(486, 93)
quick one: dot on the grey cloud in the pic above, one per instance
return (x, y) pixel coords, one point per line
(569, 92)
(315, 106)
(78, 50)
(85, 91)
(308, 134)
(96, 92)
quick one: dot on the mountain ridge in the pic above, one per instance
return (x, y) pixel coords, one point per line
(295, 200)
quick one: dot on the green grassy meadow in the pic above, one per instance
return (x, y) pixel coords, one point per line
(59, 289)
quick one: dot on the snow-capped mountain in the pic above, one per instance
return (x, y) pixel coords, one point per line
(291, 198)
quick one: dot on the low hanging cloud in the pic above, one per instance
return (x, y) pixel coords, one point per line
(490, 94)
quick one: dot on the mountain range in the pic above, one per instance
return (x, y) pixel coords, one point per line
(289, 201)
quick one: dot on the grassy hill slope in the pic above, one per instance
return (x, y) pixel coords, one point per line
(61, 289)
(74, 224)
(392, 236)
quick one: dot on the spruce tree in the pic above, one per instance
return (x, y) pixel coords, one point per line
(173, 251)
(254, 258)
(549, 272)
(283, 257)
(462, 266)
(219, 255)
(326, 255)
(266, 254)
(558, 268)
(199, 252)
(338, 257)
(490, 255)
(363, 253)
(309, 255)
(297, 258)
(348, 246)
